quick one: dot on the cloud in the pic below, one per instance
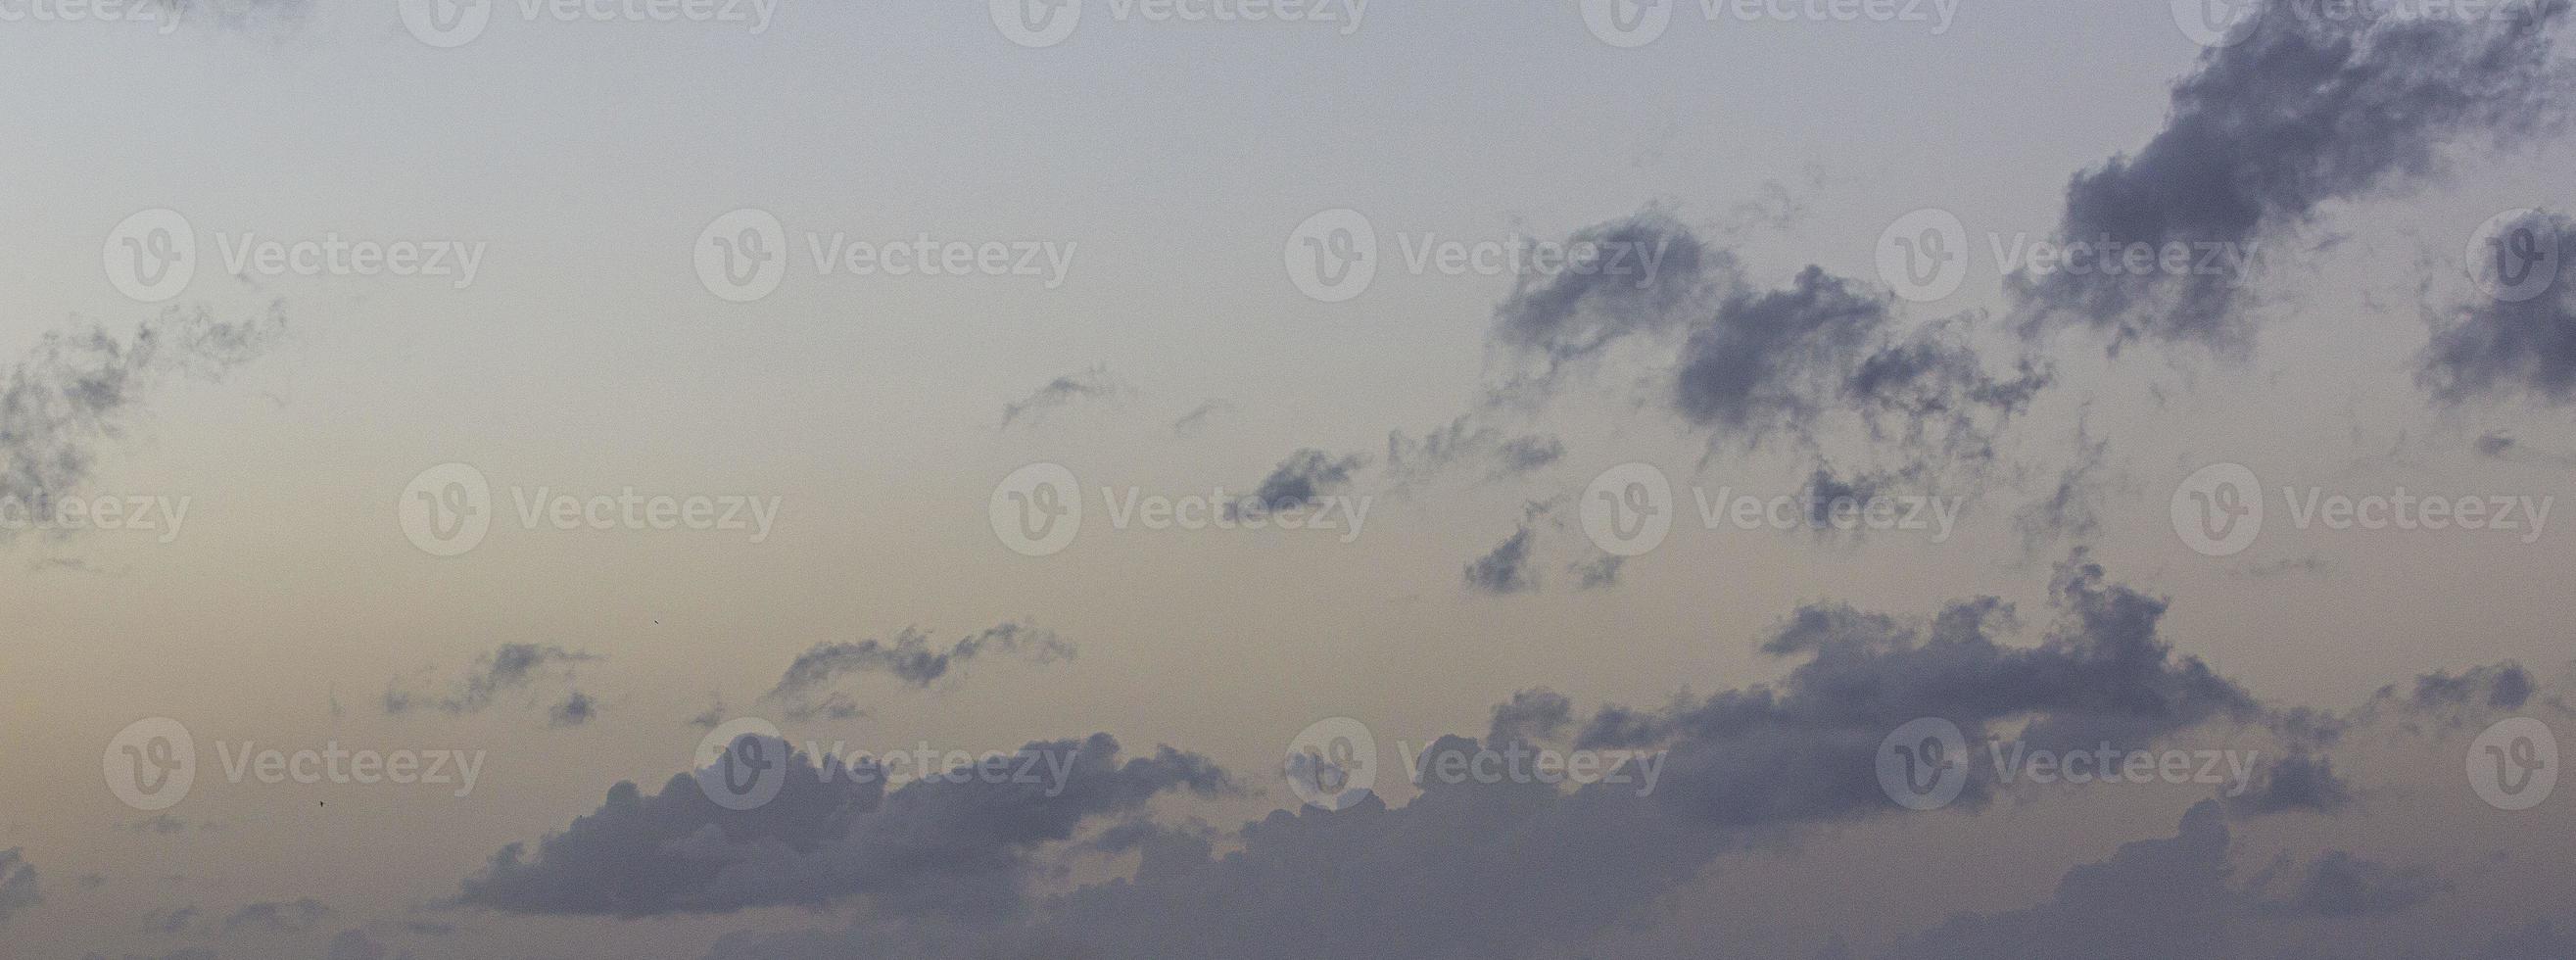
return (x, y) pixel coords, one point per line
(298, 916)
(356, 945)
(2316, 103)
(170, 921)
(806, 687)
(1201, 417)
(1505, 570)
(510, 668)
(1466, 441)
(2500, 348)
(1306, 476)
(937, 846)
(18, 888)
(576, 709)
(77, 391)
(1093, 384)
(2339, 884)
(2301, 780)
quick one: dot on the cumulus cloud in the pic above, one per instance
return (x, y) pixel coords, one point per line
(1306, 476)
(806, 689)
(942, 845)
(1506, 569)
(512, 668)
(2315, 103)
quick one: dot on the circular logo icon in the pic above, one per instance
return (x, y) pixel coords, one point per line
(1627, 24)
(1332, 256)
(1628, 509)
(2215, 23)
(1923, 256)
(2514, 765)
(2218, 510)
(151, 764)
(1037, 23)
(2515, 255)
(742, 256)
(743, 764)
(1037, 509)
(1924, 764)
(1332, 764)
(446, 509)
(446, 24)
(151, 256)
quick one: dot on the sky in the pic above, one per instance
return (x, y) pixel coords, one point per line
(1764, 480)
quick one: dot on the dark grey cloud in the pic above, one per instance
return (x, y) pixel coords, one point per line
(2339, 884)
(2166, 898)
(1095, 383)
(576, 709)
(295, 916)
(2499, 348)
(18, 888)
(76, 391)
(356, 945)
(1598, 572)
(2302, 780)
(1507, 568)
(937, 846)
(1531, 716)
(2315, 103)
(2072, 510)
(806, 689)
(1467, 441)
(512, 668)
(1306, 476)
